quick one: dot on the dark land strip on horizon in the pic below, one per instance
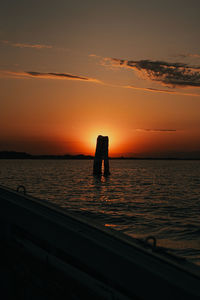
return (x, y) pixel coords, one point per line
(24, 155)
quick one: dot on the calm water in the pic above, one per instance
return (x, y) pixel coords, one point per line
(140, 198)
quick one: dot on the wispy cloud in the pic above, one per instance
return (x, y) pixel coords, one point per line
(167, 73)
(155, 130)
(186, 55)
(27, 45)
(153, 90)
(49, 75)
(94, 55)
(67, 76)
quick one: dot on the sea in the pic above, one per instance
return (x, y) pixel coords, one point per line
(140, 198)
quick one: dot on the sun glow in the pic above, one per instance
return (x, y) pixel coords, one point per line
(92, 138)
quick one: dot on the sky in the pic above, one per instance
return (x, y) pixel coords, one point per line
(71, 70)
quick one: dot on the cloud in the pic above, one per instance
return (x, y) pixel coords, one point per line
(66, 76)
(156, 130)
(153, 90)
(50, 75)
(27, 45)
(185, 55)
(94, 55)
(169, 74)
(56, 75)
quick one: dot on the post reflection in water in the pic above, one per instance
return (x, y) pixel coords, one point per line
(101, 186)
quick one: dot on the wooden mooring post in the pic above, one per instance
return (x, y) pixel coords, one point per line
(101, 154)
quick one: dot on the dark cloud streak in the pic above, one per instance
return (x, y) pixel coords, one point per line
(49, 75)
(169, 74)
(156, 130)
(54, 75)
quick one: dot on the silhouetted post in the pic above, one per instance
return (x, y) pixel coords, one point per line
(106, 161)
(97, 167)
(101, 154)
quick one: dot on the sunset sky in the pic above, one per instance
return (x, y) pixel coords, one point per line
(72, 69)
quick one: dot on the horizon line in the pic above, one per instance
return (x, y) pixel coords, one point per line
(7, 154)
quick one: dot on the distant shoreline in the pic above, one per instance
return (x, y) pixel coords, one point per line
(24, 155)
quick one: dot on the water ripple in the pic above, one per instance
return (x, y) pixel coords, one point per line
(140, 198)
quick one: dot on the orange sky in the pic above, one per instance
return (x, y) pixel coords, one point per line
(60, 86)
